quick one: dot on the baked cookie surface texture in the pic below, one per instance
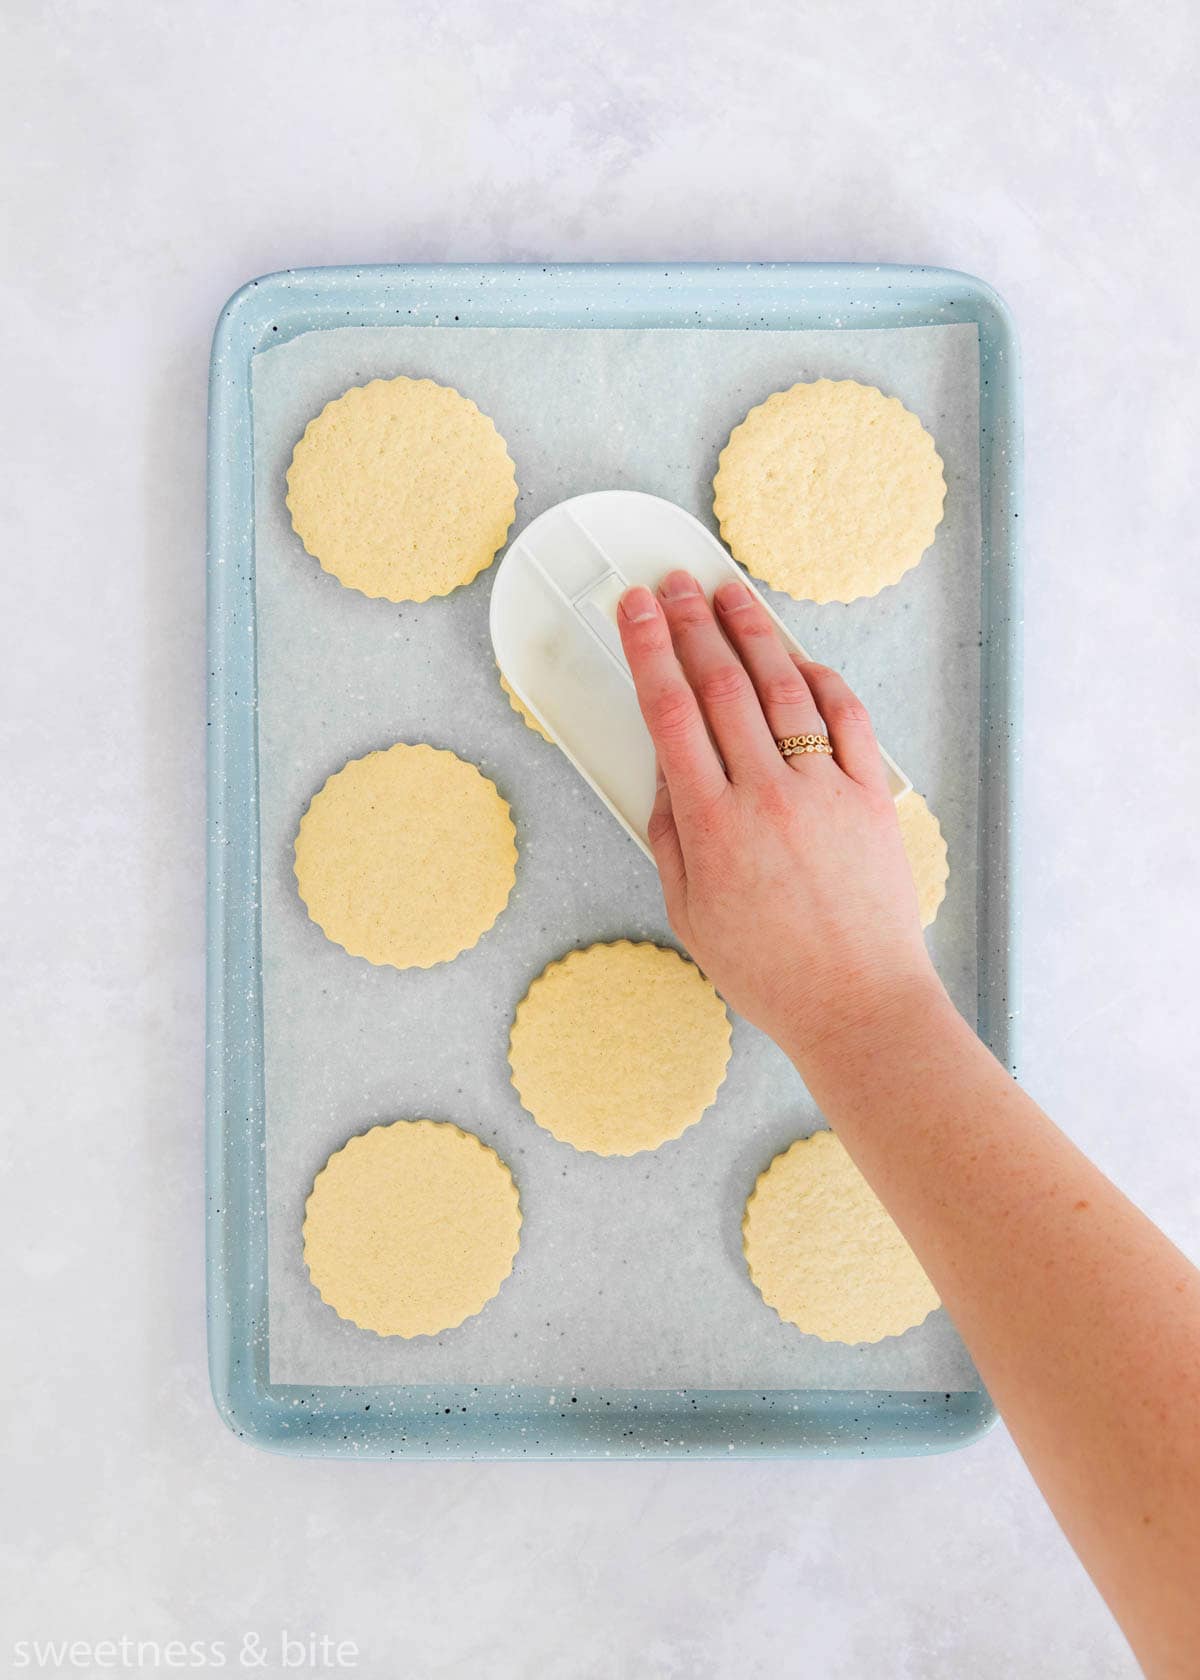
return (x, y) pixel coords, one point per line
(406, 857)
(411, 1228)
(402, 489)
(619, 1048)
(829, 491)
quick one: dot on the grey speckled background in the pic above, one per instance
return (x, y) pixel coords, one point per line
(630, 1272)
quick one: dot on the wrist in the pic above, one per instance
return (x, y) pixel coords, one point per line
(862, 1024)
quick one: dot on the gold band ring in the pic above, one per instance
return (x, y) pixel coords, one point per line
(791, 746)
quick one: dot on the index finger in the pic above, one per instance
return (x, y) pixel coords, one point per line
(685, 751)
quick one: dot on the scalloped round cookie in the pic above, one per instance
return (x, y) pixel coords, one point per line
(402, 489)
(406, 857)
(829, 491)
(927, 856)
(619, 1048)
(523, 712)
(411, 1228)
(825, 1254)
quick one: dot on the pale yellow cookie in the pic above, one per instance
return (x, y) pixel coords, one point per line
(523, 711)
(402, 489)
(619, 1048)
(824, 1253)
(406, 856)
(927, 857)
(411, 1228)
(829, 491)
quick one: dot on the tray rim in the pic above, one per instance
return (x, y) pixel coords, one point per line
(534, 1422)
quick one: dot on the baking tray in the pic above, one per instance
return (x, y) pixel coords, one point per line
(466, 1420)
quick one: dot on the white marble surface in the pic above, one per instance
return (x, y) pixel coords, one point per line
(155, 157)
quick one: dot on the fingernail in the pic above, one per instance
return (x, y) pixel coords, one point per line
(637, 605)
(733, 596)
(678, 584)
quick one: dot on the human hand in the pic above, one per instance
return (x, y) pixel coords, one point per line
(786, 879)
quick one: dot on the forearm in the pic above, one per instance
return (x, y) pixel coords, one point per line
(1084, 1320)
(787, 880)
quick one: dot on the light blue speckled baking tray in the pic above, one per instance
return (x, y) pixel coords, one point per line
(483, 1422)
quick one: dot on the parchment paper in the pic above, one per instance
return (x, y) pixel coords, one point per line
(630, 1272)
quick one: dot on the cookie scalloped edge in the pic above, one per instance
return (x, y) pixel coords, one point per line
(942, 852)
(416, 746)
(526, 716)
(866, 1341)
(432, 594)
(607, 944)
(727, 520)
(357, 1140)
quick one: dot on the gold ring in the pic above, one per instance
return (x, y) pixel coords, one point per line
(791, 746)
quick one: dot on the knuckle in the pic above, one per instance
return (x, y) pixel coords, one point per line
(726, 685)
(849, 710)
(776, 800)
(671, 715)
(661, 825)
(686, 610)
(646, 645)
(706, 818)
(786, 690)
(644, 638)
